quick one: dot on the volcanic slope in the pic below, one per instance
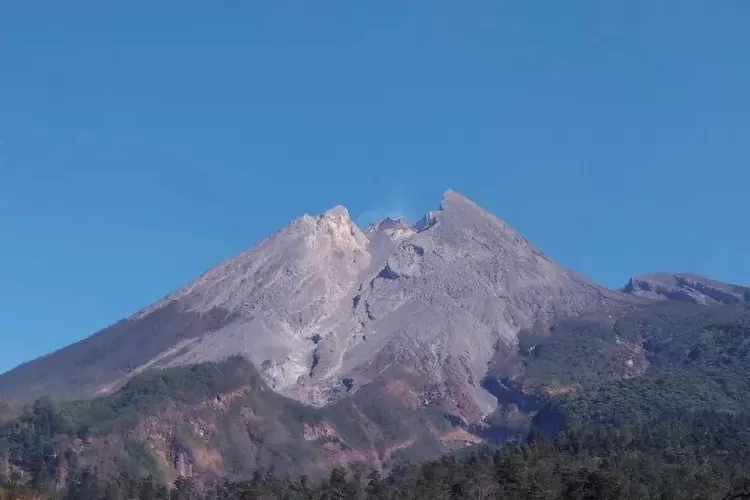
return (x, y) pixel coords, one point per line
(323, 308)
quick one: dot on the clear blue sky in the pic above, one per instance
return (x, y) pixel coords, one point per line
(143, 143)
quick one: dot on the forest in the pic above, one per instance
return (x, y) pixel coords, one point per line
(701, 456)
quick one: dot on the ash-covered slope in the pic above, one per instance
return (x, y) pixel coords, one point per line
(686, 288)
(445, 297)
(323, 308)
(265, 303)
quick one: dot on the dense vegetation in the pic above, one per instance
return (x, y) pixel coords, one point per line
(702, 456)
(257, 428)
(694, 359)
(650, 403)
(35, 444)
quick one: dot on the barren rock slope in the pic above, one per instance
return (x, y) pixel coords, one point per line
(322, 305)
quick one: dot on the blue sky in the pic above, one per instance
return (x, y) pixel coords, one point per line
(144, 142)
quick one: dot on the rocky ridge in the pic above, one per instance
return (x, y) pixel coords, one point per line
(686, 287)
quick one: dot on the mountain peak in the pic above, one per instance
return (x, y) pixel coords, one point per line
(465, 213)
(450, 202)
(453, 199)
(339, 212)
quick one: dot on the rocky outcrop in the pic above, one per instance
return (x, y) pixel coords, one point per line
(687, 288)
(396, 229)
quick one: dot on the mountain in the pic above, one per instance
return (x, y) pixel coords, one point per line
(686, 287)
(330, 346)
(323, 308)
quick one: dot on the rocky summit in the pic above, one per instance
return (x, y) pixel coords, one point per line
(323, 308)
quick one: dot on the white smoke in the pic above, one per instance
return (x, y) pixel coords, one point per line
(395, 206)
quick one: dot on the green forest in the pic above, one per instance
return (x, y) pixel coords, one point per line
(702, 456)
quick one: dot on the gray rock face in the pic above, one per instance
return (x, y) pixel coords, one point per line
(686, 287)
(322, 301)
(447, 294)
(396, 230)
